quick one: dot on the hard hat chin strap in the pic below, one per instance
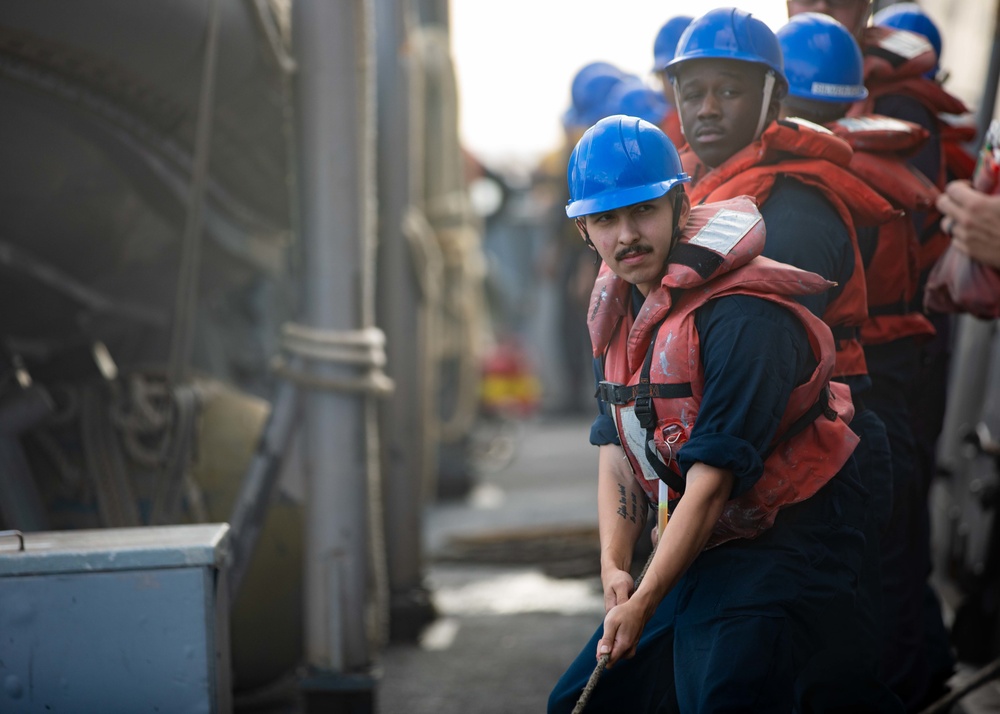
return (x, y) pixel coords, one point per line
(769, 80)
(582, 225)
(673, 84)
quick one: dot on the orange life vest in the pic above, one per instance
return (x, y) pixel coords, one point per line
(655, 401)
(815, 157)
(881, 145)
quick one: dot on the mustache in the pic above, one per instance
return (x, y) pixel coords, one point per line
(632, 250)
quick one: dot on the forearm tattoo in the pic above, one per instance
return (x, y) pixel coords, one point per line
(628, 506)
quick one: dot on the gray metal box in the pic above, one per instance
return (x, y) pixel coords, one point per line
(115, 620)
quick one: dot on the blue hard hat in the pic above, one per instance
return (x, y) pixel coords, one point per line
(729, 33)
(665, 44)
(589, 92)
(635, 98)
(822, 59)
(621, 160)
(909, 16)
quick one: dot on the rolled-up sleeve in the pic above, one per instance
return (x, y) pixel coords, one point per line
(754, 353)
(602, 430)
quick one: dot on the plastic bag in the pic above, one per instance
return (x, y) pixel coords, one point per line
(958, 282)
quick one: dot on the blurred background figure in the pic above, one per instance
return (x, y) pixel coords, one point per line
(566, 263)
(637, 99)
(664, 48)
(588, 95)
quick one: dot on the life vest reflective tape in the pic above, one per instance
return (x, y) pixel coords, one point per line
(881, 134)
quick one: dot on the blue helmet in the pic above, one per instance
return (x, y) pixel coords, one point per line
(822, 60)
(621, 160)
(729, 33)
(665, 44)
(589, 92)
(634, 98)
(909, 16)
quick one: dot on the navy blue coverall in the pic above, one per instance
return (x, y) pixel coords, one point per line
(750, 619)
(909, 393)
(804, 230)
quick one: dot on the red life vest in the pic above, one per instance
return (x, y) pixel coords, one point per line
(933, 97)
(895, 64)
(671, 126)
(956, 131)
(881, 145)
(815, 157)
(890, 54)
(656, 401)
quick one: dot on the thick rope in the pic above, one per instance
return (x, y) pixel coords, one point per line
(364, 348)
(602, 662)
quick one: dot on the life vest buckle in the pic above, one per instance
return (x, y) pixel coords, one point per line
(644, 412)
(611, 393)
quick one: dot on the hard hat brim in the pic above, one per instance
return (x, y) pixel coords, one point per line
(610, 200)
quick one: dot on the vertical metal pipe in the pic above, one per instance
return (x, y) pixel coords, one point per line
(433, 12)
(330, 40)
(459, 312)
(403, 430)
(989, 99)
(970, 362)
